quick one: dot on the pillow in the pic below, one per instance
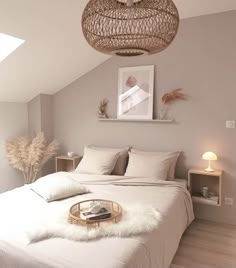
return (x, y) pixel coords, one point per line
(97, 162)
(151, 166)
(122, 160)
(57, 186)
(173, 155)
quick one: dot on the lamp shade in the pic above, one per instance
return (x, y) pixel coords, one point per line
(130, 27)
(209, 156)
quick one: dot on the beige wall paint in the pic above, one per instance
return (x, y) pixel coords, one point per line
(21, 120)
(13, 123)
(202, 61)
(46, 116)
(40, 116)
(40, 120)
(34, 116)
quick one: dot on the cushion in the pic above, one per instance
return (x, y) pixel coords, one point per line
(122, 160)
(57, 186)
(97, 162)
(173, 155)
(150, 166)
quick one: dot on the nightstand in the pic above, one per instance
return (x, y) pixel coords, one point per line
(198, 178)
(66, 163)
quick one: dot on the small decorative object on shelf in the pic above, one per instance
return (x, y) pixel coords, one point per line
(205, 187)
(169, 98)
(94, 212)
(210, 156)
(102, 109)
(205, 191)
(67, 163)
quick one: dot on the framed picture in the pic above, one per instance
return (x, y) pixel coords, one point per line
(135, 92)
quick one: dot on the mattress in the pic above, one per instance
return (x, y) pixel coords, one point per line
(148, 250)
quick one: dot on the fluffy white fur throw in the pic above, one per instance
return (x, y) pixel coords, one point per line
(53, 223)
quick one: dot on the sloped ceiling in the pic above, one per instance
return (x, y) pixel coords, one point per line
(55, 52)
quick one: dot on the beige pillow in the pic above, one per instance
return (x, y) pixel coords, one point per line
(122, 160)
(97, 162)
(150, 166)
(174, 158)
(57, 186)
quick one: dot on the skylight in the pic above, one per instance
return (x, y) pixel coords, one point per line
(8, 44)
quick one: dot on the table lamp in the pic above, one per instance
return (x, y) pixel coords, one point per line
(210, 156)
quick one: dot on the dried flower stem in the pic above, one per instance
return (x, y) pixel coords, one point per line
(102, 109)
(29, 156)
(173, 96)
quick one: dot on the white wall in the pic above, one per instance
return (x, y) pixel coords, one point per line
(13, 123)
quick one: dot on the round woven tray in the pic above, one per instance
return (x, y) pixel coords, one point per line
(113, 207)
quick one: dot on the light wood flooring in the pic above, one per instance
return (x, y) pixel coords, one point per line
(207, 245)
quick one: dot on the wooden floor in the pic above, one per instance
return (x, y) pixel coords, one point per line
(207, 245)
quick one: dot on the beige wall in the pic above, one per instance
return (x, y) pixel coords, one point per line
(40, 120)
(21, 120)
(40, 116)
(13, 123)
(202, 61)
(34, 116)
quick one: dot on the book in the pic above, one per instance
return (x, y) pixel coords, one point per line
(210, 200)
(100, 217)
(89, 215)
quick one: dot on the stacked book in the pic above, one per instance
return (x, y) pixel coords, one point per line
(210, 200)
(95, 213)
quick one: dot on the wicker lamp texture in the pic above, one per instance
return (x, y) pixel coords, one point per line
(130, 27)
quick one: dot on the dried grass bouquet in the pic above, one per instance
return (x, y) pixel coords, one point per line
(102, 109)
(29, 156)
(173, 96)
(169, 98)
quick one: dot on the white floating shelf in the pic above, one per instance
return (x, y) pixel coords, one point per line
(136, 120)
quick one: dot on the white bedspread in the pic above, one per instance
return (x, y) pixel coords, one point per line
(147, 250)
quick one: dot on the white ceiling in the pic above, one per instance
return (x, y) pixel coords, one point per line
(55, 52)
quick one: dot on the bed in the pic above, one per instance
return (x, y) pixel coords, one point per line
(154, 249)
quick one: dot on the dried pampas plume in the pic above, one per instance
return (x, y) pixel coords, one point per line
(173, 96)
(29, 156)
(102, 109)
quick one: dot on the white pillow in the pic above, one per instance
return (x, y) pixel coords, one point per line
(122, 160)
(97, 162)
(173, 155)
(150, 166)
(57, 186)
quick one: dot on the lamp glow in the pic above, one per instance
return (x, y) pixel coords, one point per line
(210, 156)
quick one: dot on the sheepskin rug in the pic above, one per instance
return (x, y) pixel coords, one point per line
(136, 219)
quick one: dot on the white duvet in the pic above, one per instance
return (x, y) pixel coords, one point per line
(153, 249)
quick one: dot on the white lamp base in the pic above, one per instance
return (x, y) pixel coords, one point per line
(209, 169)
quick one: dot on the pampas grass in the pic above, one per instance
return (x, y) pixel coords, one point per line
(29, 156)
(169, 98)
(173, 96)
(102, 109)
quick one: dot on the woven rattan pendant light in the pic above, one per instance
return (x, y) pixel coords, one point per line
(130, 27)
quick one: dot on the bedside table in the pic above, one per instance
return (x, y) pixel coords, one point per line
(198, 178)
(66, 163)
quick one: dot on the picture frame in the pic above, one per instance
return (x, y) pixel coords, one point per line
(135, 93)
